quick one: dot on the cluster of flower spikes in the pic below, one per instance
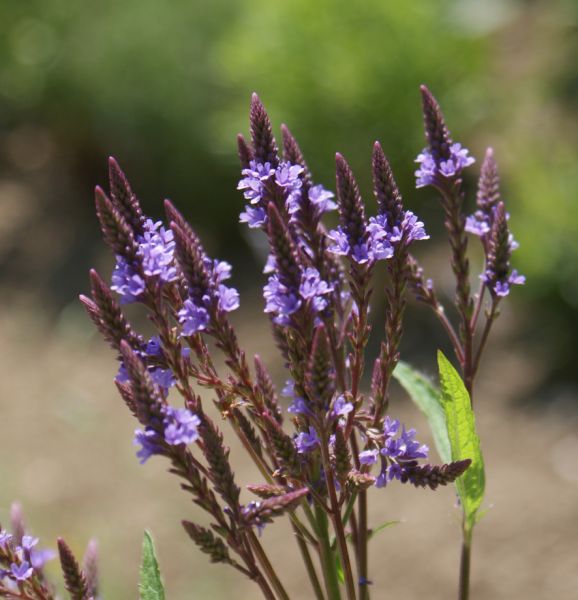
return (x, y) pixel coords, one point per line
(186, 299)
(281, 191)
(490, 224)
(22, 565)
(441, 166)
(148, 270)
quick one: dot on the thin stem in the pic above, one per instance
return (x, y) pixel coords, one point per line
(363, 547)
(267, 566)
(478, 308)
(442, 317)
(327, 558)
(465, 563)
(489, 322)
(309, 565)
(336, 519)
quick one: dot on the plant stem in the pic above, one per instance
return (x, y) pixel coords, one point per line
(267, 566)
(327, 558)
(336, 519)
(309, 565)
(465, 561)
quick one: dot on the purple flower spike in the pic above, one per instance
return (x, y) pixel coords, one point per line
(181, 426)
(405, 447)
(21, 572)
(306, 441)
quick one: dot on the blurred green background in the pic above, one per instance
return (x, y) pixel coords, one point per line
(164, 87)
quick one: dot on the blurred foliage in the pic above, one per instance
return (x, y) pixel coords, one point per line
(165, 87)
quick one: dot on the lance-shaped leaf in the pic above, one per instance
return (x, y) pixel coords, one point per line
(150, 583)
(427, 398)
(464, 441)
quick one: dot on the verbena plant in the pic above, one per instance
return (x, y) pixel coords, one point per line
(318, 461)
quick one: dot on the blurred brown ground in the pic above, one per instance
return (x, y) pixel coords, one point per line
(67, 457)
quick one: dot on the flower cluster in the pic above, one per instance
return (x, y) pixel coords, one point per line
(155, 260)
(282, 301)
(490, 223)
(180, 426)
(399, 454)
(22, 565)
(433, 169)
(195, 314)
(261, 184)
(26, 557)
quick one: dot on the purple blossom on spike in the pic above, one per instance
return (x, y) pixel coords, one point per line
(368, 457)
(193, 318)
(148, 440)
(405, 447)
(21, 572)
(126, 282)
(341, 407)
(498, 275)
(254, 217)
(28, 542)
(156, 246)
(306, 441)
(253, 182)
(298, 405)
(321, 199)
(181, 426)
(280, 300)
(432, 172)
(5, 538)
(38, 558)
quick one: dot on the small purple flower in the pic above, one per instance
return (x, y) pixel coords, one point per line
(21, 572)
(306, 441)
(156, 247)
(314, 288)
(381, 479)
(280, 300)
(148, 441)
(321, 198)
(254, 216)
(405, 447)
(430, 170)
(5, 538)
(478, 224)
(228, 298)
(252, 183)
(193, 318)
(28, 542)
(181, 426)
(368, 457)
(126, 282)
(164, 378)
(390, 426)
(38, 558)
(298, 405)
(153, 347)
(340, 244)
(502, 288)
(341, 408)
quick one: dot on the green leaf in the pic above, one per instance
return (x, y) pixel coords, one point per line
(339, 568)
(427, 398)
(373, 532)
(464, 440)
(150, 584)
